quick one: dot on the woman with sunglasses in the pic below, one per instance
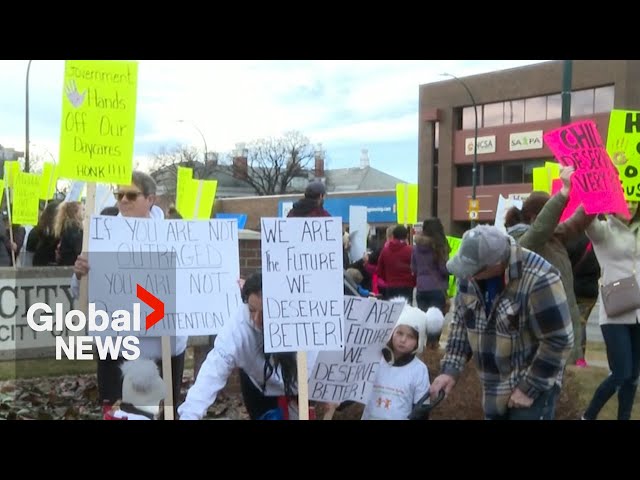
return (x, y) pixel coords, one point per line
(135, 200)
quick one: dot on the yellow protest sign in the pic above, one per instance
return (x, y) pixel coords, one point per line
(186, 191)
(207, 197)
(11, 169)
(454, 245)
(26, 190)
(553, 172)
(623, 147)
(48, 181)
(541, 180)
(98, 121)
(407, 203)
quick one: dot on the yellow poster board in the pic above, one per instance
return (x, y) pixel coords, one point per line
(185, 194)
(11, 169)
(207, 198)
(98, 121)
(623, 147)
(24, 210)
(454, 245)
(407, 201)
(541, 180)
(48, 181)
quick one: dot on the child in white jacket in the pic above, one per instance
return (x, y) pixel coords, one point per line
(403, 379)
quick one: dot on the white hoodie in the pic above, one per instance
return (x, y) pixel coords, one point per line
(239, 344)
(150, 347)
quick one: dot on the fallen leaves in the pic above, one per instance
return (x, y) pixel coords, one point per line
(75, 397)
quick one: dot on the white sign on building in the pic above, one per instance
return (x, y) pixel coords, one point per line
(525, 141)
(485, 145)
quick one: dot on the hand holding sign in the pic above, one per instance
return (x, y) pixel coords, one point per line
(596, 182)
(565, 176)
(76, 98)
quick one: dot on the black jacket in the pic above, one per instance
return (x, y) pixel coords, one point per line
(586, 269)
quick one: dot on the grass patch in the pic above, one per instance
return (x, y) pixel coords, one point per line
(589, 379)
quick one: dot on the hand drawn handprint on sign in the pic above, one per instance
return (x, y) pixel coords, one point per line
(619, 157)
(76, 98)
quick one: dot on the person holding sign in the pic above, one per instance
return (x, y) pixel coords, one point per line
(68, 230)
(41, 241)
(511, 314)
(542, 232)
(429, 265)
(5, 256)
(402, 378)
(240, 344)
(135, 200)
(394, 266)
(615, 243)
(312, 203)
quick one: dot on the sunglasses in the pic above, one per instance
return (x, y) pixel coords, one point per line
(131, 196)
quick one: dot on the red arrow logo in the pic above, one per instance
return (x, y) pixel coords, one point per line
(154, 302)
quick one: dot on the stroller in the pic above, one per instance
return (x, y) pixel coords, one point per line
(424, 406)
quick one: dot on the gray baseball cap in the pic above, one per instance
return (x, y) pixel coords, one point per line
(481, 247)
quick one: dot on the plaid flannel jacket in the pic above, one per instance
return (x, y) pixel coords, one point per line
(525, 340)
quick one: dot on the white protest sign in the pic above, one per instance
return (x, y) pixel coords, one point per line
(358, 229)
(504, 204)
(75, 192)
(286, 208)
(104, 198)
(190, 265)
(302, 289)
(349, 375)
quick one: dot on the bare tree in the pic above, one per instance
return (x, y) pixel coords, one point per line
(273, 163)
(165, 163)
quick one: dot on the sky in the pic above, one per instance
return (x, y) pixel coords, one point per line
(345, 105)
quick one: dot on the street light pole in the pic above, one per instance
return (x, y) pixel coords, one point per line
(567, 74)
(201, 134)
(474, 172)
(26, 121)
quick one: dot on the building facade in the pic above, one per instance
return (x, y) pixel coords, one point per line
(515, 108)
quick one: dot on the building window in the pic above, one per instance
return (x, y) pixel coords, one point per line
(554, 107)
(464, 176)
(529, 165)
(493, 114)
(513, 112)
(535, 109)
(469, 119)
(604, 99)
(437, 134)
(582, 102)
(513, 172)
(492, 174)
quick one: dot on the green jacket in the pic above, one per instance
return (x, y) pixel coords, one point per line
(548, 238)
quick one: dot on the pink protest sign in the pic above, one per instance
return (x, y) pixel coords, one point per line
(595, 182)
(572, 203)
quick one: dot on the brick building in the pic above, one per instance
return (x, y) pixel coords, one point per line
(515, 107)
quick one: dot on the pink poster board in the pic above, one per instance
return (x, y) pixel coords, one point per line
(595, 183)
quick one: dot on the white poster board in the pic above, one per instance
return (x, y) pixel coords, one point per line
(349, 375)
(286, 208)
(190, 265)
(302, 284)
(74, 194)
(104, 198)
(358, 229)
(504, 204)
